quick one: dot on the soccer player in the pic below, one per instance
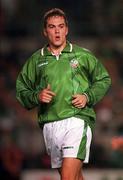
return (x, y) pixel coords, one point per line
(64, 81)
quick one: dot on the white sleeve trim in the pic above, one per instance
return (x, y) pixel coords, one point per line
(86, 97)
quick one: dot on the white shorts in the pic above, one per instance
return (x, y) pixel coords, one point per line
(70, 137)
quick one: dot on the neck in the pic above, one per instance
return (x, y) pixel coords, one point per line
(56, 50)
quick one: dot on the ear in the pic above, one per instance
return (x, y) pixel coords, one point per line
(66, 31)
(45, 32)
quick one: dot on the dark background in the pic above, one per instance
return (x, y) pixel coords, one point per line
(97, 25)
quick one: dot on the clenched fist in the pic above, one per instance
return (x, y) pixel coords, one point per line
(79, 100)
(46, 95)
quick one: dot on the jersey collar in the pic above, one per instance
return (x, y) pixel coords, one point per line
(68, 48)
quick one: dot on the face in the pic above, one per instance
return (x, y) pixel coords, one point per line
(56, 31)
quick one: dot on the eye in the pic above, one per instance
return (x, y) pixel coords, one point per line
(61, 26)
(51, 26)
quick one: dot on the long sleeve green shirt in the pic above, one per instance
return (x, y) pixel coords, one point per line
(75, 71)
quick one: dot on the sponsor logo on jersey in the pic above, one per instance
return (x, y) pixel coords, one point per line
(42, 64)
(74, 63)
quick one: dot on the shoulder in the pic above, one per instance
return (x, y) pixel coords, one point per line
(36, 54)
(83, 52)
(34, 57)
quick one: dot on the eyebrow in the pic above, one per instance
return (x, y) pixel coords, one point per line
(55, 25)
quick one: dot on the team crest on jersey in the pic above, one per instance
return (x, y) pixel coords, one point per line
(74, 63)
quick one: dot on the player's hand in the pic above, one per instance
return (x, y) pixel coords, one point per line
(79, 100)
(46, 95)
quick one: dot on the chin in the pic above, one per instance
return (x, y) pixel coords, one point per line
(57, 44)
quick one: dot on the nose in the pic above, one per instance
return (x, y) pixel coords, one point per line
(57, 30)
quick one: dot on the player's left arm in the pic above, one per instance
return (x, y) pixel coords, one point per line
(100, 81)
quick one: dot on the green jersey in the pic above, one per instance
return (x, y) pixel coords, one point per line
(75, 71)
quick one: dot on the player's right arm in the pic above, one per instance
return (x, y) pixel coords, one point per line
(28, 92)
(27, 88)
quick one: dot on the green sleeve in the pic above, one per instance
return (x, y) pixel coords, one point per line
(26, 89)
(100, 80)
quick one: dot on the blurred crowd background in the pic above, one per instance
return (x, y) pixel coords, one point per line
(97, 25)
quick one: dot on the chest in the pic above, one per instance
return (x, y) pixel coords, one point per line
(66, 70)
(51, 67)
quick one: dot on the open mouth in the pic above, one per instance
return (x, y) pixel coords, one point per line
(57, 38)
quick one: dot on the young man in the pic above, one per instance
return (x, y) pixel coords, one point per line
(65, 81)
